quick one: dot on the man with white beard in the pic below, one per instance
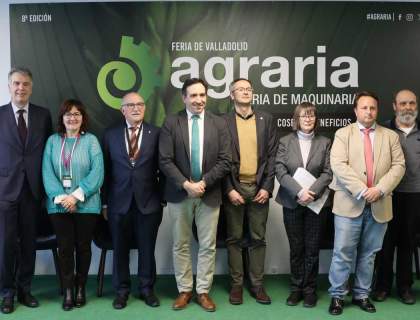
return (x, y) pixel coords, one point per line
(406, 198)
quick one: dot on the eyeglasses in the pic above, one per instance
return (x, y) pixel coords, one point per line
(74, 115)
(308, 116)
(242, 90)
(131, 106)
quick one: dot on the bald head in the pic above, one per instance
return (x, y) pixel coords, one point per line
(133, 108)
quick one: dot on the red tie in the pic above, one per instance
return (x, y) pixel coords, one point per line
(368, 156)
(133, 144)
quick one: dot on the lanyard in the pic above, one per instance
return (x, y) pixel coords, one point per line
(66, 160)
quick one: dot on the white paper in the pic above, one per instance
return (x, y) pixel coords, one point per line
(305, 180)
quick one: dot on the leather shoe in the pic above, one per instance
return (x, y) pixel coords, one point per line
(336, 306)
(205, 302)
(379, 295)
(260, 295)
(364, 304)
(236, 295)
(150, 299)
(294, 298)
(7, 305)
(120, 302)
(80, 299)
(309, 300)
(27, 299)
(68, 302)
(182, 300)
(407, 296)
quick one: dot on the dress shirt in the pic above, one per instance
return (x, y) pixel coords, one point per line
(25, 114)
(129, 134)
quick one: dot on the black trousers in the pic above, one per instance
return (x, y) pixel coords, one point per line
(74, 233)
(303, 231)
(134, 230)
(400, 234)
(18, 220)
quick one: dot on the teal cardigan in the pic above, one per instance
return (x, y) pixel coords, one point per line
(87, 169)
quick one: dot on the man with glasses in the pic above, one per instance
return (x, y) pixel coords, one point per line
(131, 197)
(24, 129)
(194, 155)
(402, 228)
(247, 189)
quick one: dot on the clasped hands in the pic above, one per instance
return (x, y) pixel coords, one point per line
(306, 197)
(194, 189)
(69, 203)
(236, 199)
(372, 194)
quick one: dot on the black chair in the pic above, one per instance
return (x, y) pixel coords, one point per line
(103, 240)
(47, 240)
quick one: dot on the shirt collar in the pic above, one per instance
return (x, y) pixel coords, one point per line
(361, 127)
(189, 114)
(130, 126)
(16, 108)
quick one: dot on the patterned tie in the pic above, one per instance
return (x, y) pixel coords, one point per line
(23, 130)
(368, 156)
(195, 150)
(133, 150)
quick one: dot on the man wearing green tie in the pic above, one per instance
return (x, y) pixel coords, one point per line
(194, 155)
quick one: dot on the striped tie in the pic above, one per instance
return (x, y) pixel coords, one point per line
(133, 152)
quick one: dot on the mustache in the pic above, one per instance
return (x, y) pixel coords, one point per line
(407, 116)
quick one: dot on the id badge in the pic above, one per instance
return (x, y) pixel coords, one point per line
(66, 181)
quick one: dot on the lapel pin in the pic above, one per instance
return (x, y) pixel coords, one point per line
(261, 118)
(150, 132)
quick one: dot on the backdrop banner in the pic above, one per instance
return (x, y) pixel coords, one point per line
(322, 52)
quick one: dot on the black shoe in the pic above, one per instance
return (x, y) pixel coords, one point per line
(336, 306)
(294, 298)
(309, 300)
(364, 304)
(7, 305)
(27, 299)
(68, 302)
(406, 296)
(80, 299)
(120, 302)
(150, 299)
(379, 295)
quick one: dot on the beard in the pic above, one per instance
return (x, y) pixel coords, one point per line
(407, 117)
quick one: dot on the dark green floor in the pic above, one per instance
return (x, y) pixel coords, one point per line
(45, 288)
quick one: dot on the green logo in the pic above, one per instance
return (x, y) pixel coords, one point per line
(135, 70)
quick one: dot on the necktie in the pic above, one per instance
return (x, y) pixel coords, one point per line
(195, 150)
(133, 150)
(23, 130)
(368, 157)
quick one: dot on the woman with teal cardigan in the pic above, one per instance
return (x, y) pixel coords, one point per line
(73, 172)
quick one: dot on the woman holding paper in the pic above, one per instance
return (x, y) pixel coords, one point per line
(309, 152)
(73, 172)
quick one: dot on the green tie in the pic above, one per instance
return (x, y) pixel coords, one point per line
(195, 150)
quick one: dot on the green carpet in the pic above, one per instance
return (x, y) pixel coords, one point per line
(46, 290)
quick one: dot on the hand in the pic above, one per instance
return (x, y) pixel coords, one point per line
(235, 198)
(262, 196)
(306, 197)
(372, 194)
(69, 202)
(72, 209)
(194, 189)
(105, 213)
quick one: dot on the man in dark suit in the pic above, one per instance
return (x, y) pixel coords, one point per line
(194, 155)
(248, 188)
(24, 129)
(132, 198)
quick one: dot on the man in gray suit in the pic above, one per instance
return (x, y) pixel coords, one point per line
(248, 188)
(194, 155)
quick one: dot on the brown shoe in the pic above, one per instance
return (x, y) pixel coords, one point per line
(205, 302)
(260, 295)
(182, 300)
(235, 295)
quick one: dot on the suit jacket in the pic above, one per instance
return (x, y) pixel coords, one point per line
(289, 159)
(18, 160)
(122, 181)
(174, 156)
(348, 166)
(266, 146)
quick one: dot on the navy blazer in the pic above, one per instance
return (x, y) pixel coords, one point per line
(18, 160)
(174, 157)
(122, 181)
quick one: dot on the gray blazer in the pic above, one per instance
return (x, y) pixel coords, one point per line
(289, 158)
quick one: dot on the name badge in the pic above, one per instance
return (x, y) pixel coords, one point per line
(66, 181)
